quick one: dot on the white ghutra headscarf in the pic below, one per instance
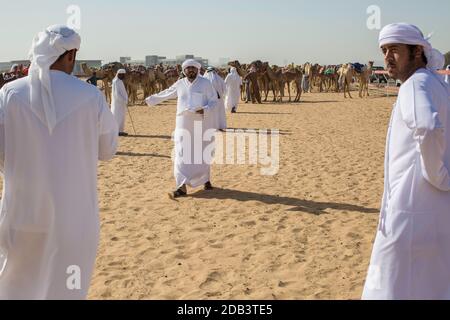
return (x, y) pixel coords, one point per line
(46, 48)
(404, 33)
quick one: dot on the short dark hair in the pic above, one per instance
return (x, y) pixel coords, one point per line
(412, 49)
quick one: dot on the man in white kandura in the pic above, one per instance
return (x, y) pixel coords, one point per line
(411, 253)
(447, 77)
(219, 85)
(53, 130)
(194, 133)
(233, 84)
(119, 102)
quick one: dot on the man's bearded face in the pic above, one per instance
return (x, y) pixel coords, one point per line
(191, 72)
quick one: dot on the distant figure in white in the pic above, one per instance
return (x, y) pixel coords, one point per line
(53, 130)
(119, 103)
(447, 76)
(219, 85)
(233, 84)
(411, 253)
(194, 128)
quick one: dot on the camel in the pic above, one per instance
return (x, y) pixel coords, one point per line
(252, 76)
(274, 82)
(292, 75)
(106, 74)
(364, 79)
(329, 79)
(161, 78)
(172, 76)
(326, 78)
(134, 79)
(347, 72)
(149, 82)
(314, 77)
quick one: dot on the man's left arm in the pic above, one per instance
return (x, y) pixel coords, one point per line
(430, 133)
(211, 96)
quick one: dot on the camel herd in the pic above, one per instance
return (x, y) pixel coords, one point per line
(259, 79)
(149, 80)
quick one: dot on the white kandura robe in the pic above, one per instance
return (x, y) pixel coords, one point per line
(219, 111)
(119, 103)
(233, 84)
(411, 253)
(49, 212)
(195, 170)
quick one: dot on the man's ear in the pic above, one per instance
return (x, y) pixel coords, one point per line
(419, 52)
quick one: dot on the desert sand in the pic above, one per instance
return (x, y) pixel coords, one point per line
(304, 233)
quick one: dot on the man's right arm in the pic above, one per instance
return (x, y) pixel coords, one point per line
(429, 126)
(167, 94)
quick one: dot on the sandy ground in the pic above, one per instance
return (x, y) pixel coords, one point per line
(304, 233)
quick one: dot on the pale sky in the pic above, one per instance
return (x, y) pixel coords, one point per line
(322, 31)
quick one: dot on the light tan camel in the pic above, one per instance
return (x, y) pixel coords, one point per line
(364, 78)
(346, 74)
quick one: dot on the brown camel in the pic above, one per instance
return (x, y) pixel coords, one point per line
(274, 82)
(293, 75)
(161, 78)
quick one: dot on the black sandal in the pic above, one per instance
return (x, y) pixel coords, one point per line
(177, 194)
(208, 186)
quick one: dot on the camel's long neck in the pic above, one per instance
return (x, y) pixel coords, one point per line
(271, 73)
(86, 69)
(240, 71)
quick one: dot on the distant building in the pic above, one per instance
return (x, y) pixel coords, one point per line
(185, 57)
(180, 59)
(170, 62)
(78, 71)
(136, 62)
(223, 62)
(124, 60)
(153, 60)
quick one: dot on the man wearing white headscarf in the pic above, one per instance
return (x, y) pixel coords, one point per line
(233, 84)
(411, 253)
(194, 133)
(14, 68)
(119, 103)
(53, 130)
(220, 117)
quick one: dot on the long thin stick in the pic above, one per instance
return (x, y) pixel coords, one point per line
(132, 123)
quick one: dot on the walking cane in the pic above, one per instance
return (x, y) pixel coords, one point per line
(132, 123)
